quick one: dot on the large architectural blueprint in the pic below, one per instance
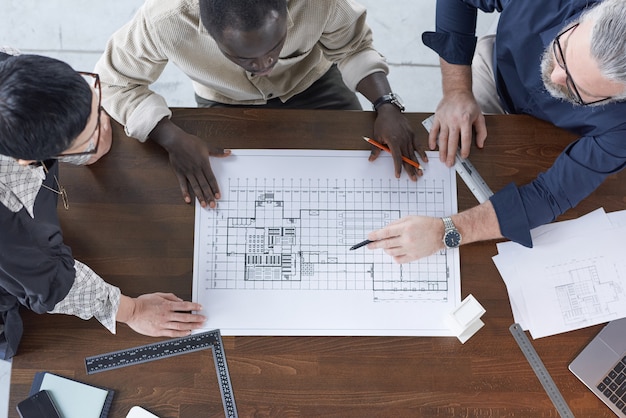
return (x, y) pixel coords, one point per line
(274, 258)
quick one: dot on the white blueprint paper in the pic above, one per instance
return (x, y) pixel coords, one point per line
(573, 277)
(274, 258)
(510, 263)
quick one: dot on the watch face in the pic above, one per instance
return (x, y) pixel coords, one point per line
(452, 239)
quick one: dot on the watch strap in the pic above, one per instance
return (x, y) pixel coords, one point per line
(388, 98)
(447, 223)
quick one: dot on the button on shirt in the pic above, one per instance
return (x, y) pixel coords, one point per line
(525, 29)
(319, 33)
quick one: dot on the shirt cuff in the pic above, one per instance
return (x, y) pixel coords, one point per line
(511, 215)
(359, 66)
(90, 296)
(146, 116)
(453, 48)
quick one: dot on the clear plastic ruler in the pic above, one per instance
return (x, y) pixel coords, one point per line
(466, 171)
(170, 348)
(540, 370)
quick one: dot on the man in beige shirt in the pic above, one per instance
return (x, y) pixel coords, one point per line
(269, 53)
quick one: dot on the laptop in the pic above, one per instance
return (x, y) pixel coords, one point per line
(602, 366)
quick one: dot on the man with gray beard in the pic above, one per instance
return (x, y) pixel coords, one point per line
(560, 61)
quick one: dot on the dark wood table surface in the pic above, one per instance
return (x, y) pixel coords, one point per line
(128, 222)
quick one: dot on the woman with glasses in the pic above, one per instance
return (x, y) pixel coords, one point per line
(51, 113)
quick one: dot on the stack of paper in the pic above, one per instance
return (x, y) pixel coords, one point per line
(573, 277)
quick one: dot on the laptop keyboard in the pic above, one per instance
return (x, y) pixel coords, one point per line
(613, 386)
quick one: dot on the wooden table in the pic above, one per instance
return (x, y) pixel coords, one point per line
(128, 222)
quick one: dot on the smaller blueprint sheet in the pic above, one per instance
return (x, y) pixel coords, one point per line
(274, 258)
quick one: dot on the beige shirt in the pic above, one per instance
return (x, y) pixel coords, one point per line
(320, 33)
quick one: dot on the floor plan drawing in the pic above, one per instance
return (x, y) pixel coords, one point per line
(573, 277)
(281, 237)
(585, 296)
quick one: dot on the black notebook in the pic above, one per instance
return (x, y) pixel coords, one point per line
(74, 399)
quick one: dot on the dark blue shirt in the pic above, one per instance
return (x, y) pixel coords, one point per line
(525, 29)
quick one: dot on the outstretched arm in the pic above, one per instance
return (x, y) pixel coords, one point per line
(154, 314)
(415, 237)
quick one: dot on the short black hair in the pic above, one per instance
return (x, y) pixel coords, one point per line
(44, 106)
(245, 15)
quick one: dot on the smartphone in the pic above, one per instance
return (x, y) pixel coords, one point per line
(39, 405)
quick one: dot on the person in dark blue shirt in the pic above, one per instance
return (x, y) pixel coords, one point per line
(562, 61)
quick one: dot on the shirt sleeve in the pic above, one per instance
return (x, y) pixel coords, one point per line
(131, 62)
(347, 40)
(455, 37)
(577, 172)
(90, 296)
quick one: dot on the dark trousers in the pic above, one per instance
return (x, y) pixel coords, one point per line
(329, 92)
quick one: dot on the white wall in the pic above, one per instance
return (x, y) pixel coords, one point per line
(77, 30)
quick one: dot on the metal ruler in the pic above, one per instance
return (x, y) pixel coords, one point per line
(541, 371)
(170, 348)
(466, 171)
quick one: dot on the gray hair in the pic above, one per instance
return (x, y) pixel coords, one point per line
(608, 38)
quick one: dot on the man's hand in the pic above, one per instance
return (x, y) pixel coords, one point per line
(456, 118)
(160, 315)
(414, 237)
(189, 156)
(392, 128)
(190, 160)
(409, 238)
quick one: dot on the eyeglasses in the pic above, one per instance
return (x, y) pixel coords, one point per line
(93, 80)
(569, 82)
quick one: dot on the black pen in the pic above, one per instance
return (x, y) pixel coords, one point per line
(360, 244)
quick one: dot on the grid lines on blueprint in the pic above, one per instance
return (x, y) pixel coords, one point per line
(293, 232)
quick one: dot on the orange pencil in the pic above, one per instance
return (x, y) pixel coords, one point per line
(384, 148)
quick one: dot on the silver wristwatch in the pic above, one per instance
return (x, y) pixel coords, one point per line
(392, 98)
(451, 235)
